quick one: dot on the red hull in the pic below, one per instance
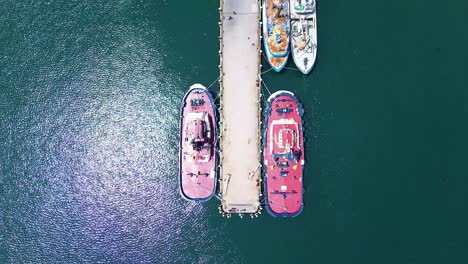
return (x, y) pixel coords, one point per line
(198, 145)
(283, 155)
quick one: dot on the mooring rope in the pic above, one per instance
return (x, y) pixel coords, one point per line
(263, 53)
(217, 96)
(214, 101)
(279, 205)
(265, 100)
(291, 69)
(268, 90)
(213, 82)
(271, 68)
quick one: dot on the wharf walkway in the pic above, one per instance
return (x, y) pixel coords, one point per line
(240, 178)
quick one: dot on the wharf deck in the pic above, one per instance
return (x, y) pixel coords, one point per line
(239, 108)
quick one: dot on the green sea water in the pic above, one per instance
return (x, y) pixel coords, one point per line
(89, 111)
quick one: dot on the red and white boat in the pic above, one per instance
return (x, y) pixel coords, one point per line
(197, 156)
(283, 155)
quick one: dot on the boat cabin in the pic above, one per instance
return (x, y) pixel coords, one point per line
(304, 6)
(198, 133)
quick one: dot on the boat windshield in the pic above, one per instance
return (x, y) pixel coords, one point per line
(284, 110)
(197, 102)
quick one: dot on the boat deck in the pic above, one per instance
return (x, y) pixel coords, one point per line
(239, 113)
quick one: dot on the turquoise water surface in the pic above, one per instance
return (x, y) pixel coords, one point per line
(89, 113)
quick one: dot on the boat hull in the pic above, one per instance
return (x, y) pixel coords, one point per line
(276, 40)
(304, 46)
(283, 155)
(277, 63)
(197, 145)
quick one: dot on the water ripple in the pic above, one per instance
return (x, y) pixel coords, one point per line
(93, 151)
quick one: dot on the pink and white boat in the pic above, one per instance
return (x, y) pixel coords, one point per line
(197, 156)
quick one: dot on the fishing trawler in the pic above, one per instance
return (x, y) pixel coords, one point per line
(276, 23)
(197, 156)
(304, 34)
(283, 155)
(304, 43)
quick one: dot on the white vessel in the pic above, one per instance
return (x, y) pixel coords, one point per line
(304, 34)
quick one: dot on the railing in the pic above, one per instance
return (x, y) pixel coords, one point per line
(221, 116)
(259, 86)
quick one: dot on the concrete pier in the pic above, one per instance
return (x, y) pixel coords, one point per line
(240, 177)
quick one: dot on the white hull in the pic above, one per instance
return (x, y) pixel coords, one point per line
(303, 39)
